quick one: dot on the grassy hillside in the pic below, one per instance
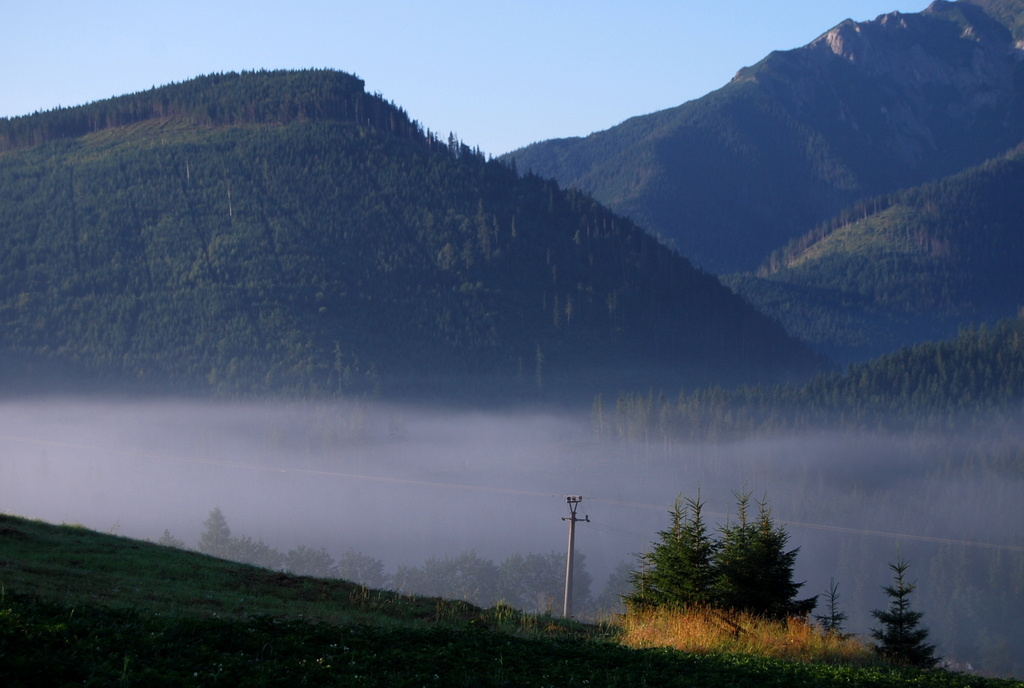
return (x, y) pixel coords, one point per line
(79, 607)
(286, 232)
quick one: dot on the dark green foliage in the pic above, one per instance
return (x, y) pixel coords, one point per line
(291, 240)
(748, 569)
(901, 639)
(902, 268)
(833, 619)
(248, 98)
(1008, 12)
(977, 378)
(754, 570)
(679, 571)
(46, 643)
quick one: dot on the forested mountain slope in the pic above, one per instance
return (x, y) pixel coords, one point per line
(867, 108)
(286, 231)
(905, 266)
(973, 381)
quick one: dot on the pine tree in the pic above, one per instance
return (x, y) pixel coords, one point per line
(832, 621)
(748, 569)
(900, 640)
(679, 571)
(754, 569)
(168, 540)
(216, 539)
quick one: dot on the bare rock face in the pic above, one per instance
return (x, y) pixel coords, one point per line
(917, 88)
(920, 51)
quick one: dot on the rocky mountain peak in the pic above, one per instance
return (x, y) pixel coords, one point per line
(914, 45)
(950, 48)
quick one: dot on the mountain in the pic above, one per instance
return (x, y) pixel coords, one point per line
(286, 231)
(913, 264)
(865, 109)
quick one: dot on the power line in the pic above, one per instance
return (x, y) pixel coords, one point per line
(489, 489)
(840, 528)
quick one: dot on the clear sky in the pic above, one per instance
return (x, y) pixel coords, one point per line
(499, 75)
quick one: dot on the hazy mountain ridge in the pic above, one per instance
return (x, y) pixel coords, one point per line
(867, 108)
(259, 238)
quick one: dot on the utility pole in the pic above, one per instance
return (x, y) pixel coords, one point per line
(573, 501)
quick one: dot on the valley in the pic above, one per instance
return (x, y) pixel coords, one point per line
(273, 302)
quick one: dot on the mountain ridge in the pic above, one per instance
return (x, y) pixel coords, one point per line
(248, 97)
(315, 249)
(800, 135)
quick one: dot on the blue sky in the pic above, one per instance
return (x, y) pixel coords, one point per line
(498, 74)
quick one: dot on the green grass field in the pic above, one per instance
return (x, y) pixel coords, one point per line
(83, 608)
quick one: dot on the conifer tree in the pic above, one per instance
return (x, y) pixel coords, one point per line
(168, 540)
(832, 620)
(216, 539)
(678, 572)
(900, 640)
(754, 569)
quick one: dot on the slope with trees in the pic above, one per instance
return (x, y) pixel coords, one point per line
(186, 622)
(904, 267)
(975, 380)
(286, 232)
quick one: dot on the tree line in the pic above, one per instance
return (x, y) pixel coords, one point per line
(974, 380)
(226, 99)
(532, 582)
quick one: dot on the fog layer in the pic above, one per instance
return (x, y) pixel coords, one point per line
(403, 484)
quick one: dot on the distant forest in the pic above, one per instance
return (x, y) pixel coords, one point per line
(974, 380)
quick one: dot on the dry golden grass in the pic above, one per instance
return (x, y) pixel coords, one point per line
(703, 630)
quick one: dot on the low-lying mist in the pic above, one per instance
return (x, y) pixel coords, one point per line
(403, 484)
